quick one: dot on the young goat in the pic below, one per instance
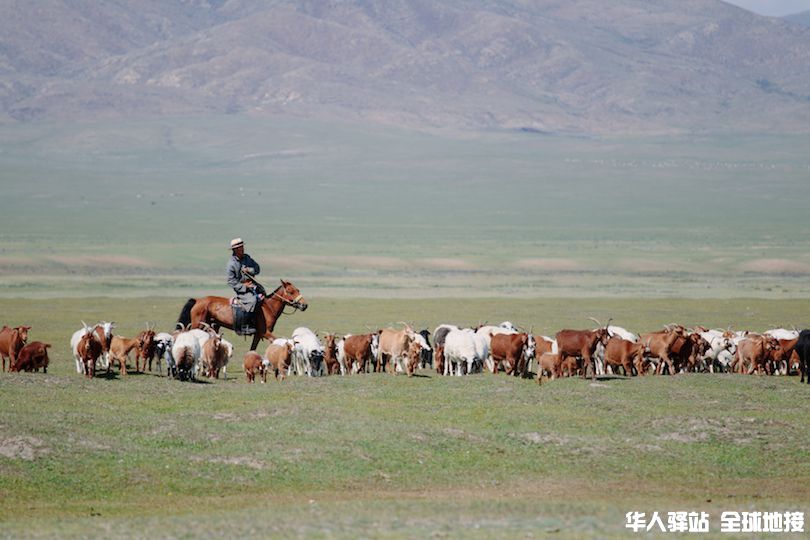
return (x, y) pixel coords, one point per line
(280, 357)
(253, 362)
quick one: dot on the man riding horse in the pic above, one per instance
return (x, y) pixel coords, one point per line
(240, 272)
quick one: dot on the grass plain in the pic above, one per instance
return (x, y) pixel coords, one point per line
(146, 208)
(388, 456)
(123, 221)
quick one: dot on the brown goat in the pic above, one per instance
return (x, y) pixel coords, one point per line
(357, 350)
(438, 358)
(120, 348)
(412, 358)
(145, 350)
(549, 363)
(32, 357)
(280, 357)
(214, 355)
(330, 355)
(575, 344)
(253, 362)
(89, 349)
(627, 354)
(12, 341)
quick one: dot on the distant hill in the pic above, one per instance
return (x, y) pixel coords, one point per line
(802, 18)
(578, 66)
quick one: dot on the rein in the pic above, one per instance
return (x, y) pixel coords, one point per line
(287, 302)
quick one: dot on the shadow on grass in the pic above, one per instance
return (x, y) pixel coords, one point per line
(612, 378)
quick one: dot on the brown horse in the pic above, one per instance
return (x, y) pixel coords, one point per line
(216, 310)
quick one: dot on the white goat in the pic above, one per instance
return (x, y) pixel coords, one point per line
(186, 354)
(307, 352)
(460, 346)
(163, 351)
(107, 328)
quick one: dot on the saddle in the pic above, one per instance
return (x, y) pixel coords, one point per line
(244, 322)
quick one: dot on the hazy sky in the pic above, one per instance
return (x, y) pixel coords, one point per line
(774, 8)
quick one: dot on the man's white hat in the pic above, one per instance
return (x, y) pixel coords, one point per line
(237, 242)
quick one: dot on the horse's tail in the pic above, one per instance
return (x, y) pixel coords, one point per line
(185, 313)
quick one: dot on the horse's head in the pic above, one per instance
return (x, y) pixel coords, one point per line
(291, 296)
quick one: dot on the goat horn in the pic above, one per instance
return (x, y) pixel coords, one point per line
(596, 321)
(407, 326)
(608, 323)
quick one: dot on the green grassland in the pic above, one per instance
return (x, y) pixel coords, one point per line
(389, 456)
(124, 221)
(145, 208)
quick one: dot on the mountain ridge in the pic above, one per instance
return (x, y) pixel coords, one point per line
(549, 66)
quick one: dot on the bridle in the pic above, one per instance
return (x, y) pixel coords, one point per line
(294, 302)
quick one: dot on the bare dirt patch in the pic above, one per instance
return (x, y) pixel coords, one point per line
(461, 434)
(445, 264)
(22, 447)
(546, 438)
(776, 266)
(552, 265)
(737, 431)
(244, 461)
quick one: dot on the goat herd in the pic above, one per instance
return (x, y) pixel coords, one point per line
(191, 353)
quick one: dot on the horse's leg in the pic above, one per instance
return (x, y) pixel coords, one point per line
(257, 337)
